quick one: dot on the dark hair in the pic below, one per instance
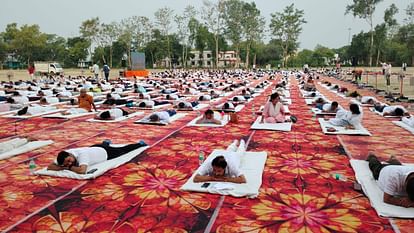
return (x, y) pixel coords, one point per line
(142, 105)
(61, 157)
(334, 104)
(219, 161)
(235, 98)
(354, 109)
(208, 112)
(168, 97)
(105, 115)
(399, 112)
(201, 98)
(181, 105)
(313, 94)
(10, 100)
(410, 187)
(274, 96)
(154, 117)
(226, 106)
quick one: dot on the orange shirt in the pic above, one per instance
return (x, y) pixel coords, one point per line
(85, 102)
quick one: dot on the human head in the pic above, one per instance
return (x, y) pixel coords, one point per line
(209, 114)
(354, 109)
(409, 187)
(83, 92)
(219, 165)
(399, 112)
(334, 105)
(105, 115)
(43, 100)
(142, 105)
(226, 106)
(154, 117)
(65, 159)
(181, 105)
(274, 98)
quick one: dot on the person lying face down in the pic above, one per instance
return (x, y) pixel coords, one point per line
(151, 103)
(79, 159)
(367, 100)
(111, 114)
(239, 98)
(319, 102)
(34, 110)
(229, 106)
(49, 100)
(394, 179)
(208, 118)
(204, 98)
(163, 116)
(396, 110)
(186, 104)
(330, 107)
(223, 168)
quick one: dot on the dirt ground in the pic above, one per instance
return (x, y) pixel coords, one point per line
(408, 89)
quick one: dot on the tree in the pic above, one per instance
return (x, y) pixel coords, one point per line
(286, 27)
(108, 34)
(410, 13)
(3, 51)
(365, 9)
(77, 49)
(233, 17)
(252, 27)
(89, 30)
(213, 17)
(163, 18)
(28, 40)
(184, 23)
(358, 48)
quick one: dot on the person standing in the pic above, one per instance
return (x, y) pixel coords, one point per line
(387, 74)
(31, 71)
(404, 67)
(106, 70)
(95, 69)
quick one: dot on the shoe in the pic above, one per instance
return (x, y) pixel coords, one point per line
(142, 143)
(293, 119)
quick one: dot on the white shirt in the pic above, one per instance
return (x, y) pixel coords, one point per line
(206, 97)
(114, 113)
(365, 99)
(186, 104)
(89, 155)
(51, 100)
(391, 109)
(65, 93)
(164, 116)
(95, 69)
(37, 109)
(148, 103)
(239, 98)
(21, 99)
(232, 170)
(392, 179)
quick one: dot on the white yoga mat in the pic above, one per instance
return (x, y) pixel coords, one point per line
(101, 167)
(25, 148)
(146, 121)
(404, 126)
(341, 130)
(60, 115)
(286, 126)
(117, 119)
(251, 165)
(370, 187)
(31, 116)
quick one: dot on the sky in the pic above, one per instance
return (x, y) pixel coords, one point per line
(326, 25)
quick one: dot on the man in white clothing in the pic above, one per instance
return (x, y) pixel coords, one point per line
(111, 114)
(95, 69)
(224, 168)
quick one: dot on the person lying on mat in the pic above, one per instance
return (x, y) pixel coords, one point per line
(208, 118)
(204, 98)
(13, 144)
(349, 119)
(163, 116)
(367, 100)
(187, 105)
(34, 110)
(143, 96)
(111, 114)
(394, 179)
(86, 101)
(151, 103)
(246, 94)
(408, 121)
(74, 111)
(395, 110)
(49, 100)
(239, 98)
(79, 159)
(273, 111)
(223, 168)
(319, 102)
(330, 107)
(228, 106)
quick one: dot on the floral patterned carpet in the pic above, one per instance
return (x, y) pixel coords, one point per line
(298, 193)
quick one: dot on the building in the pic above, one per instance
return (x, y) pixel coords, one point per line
(205, 59)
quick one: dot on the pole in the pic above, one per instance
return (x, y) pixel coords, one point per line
(349, 36)
(376, 81)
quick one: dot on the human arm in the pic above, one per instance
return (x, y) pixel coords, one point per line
(55, 167)
(94, 106)
(398, 201)
(239, 180)
(79, 169)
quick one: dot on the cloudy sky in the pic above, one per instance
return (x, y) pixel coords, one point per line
(327, 24)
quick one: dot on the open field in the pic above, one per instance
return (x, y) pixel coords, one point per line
(395, 86)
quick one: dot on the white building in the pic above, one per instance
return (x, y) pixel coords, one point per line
(206, 60)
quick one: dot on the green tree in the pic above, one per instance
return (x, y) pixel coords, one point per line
(77, 50)
(163, 19)
(365, 9)
(89, 30)
(358, 48)
(27, 41)
(233, 16)
(286, 27)
(252, 27)
(212, 14)
(183, 26)
(410, 13)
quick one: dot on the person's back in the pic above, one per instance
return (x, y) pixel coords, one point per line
(85, 101)
(392, 179)
(89, 155)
